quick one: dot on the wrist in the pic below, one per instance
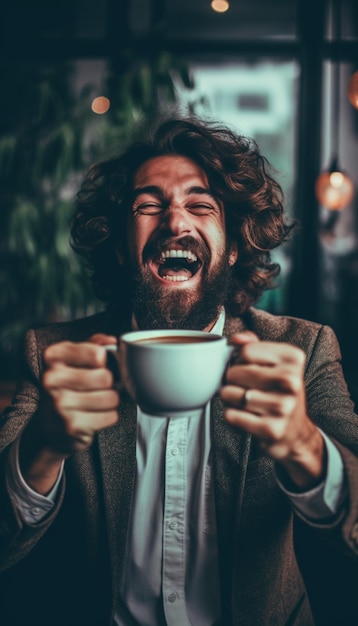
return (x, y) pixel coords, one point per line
(307, 466)
(38, 464)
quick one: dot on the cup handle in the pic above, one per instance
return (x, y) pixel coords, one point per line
(112, 365)
(232, 353)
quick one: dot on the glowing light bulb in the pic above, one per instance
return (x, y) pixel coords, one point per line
(336, 179)
(353, 90)
(220, 6)
(334, 190)
(100, 105)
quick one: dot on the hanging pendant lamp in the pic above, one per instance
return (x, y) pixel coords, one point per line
(334, 188)
(352, 91)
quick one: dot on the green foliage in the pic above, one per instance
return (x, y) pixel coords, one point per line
(48, 138)
(139, 91)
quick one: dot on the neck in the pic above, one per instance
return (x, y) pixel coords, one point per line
(207, 328)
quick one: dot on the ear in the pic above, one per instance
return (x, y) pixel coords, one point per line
(233, 254)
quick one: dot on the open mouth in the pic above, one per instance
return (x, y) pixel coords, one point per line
(177, 265)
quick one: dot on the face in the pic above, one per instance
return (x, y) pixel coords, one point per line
(177, 240)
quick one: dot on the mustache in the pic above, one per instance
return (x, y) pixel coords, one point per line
(155, 246)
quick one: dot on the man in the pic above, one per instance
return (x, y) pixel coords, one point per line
(99, 525)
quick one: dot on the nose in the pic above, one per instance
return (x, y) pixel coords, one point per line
(176, 220)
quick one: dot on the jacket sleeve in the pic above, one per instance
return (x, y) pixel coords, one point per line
(329, 405)
(16, 537)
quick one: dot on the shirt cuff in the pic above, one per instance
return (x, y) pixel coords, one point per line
(32, 506)
(324, 500)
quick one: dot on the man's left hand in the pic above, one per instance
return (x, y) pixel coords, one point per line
(265, 395)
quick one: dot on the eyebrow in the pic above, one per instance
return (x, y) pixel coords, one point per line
(157, 191)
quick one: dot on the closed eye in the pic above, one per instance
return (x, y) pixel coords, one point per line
(201, 208)
(148, 208)
(154, 208)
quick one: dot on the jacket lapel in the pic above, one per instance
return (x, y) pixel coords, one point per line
(231, 450)
(117, 451)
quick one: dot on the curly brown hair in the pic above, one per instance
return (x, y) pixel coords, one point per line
(238, 175)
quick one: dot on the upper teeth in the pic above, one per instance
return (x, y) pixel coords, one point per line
(178, 254)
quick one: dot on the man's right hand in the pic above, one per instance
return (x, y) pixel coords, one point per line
(79, 400)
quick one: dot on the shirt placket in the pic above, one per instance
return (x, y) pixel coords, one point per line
(174, 527)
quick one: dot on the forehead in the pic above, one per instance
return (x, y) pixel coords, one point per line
(169, 170)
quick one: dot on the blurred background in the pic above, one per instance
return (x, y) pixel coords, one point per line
(76, 76)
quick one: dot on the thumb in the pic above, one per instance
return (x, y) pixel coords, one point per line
(246, 336)
(103, 340)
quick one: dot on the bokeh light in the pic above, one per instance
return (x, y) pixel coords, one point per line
(220, 6)
(100, 105)
(334, 190)
(353, 90)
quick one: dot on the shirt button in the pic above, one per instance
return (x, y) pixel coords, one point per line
(35, 510)
(174, 451)
(173, 525)
(172, 597)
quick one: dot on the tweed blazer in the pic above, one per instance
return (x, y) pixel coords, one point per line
(66, 569)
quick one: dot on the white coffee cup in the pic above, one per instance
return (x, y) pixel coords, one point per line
(171, 372)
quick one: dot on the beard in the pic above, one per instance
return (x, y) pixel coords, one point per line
(157, 307)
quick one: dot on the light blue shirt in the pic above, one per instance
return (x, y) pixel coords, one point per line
(172, 552)
(170, 574)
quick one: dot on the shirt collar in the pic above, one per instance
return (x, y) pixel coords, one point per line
(218, 327)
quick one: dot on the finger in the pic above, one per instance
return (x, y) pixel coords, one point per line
(268, 430)
(84, 354)
(63, 377)
(259, 402)
(239, 418)
(238, 340)
(244, 337)
(281, 378)
(104, 340)
(94, 401)
(233, 395)
(86, 422)
(269, 404)
(271, 353)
